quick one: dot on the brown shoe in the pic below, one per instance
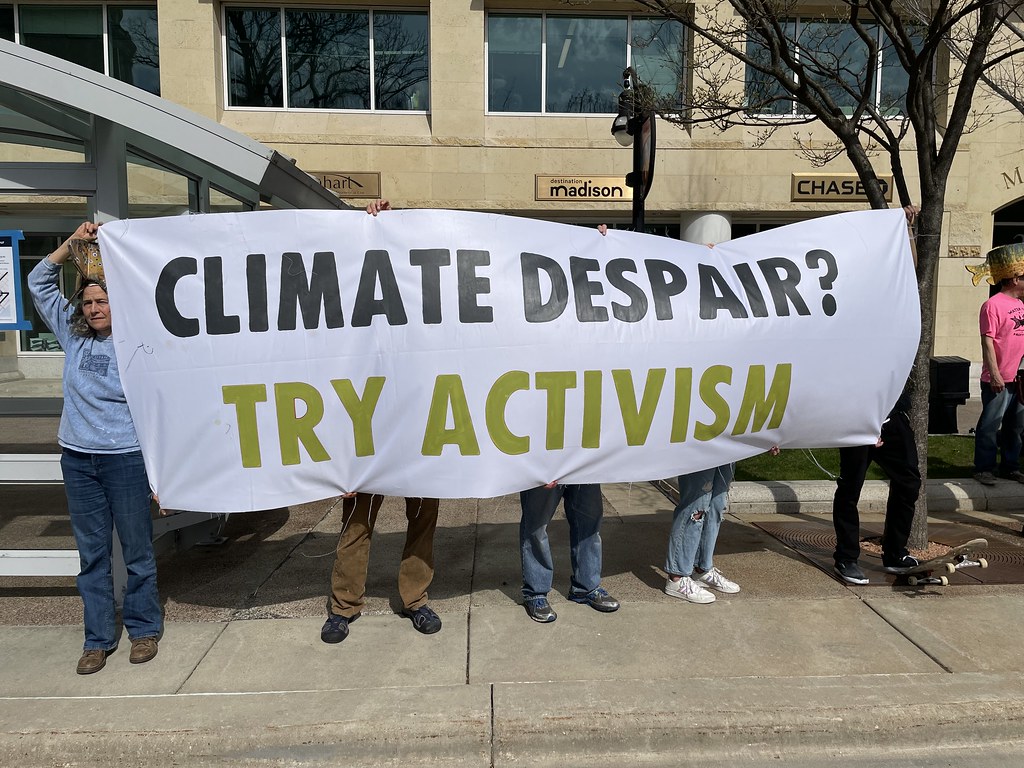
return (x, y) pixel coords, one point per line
(92, 660)
(143, 650)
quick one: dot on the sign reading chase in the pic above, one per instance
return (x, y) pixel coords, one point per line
(597, 188)
(349, 184)
(824, 187)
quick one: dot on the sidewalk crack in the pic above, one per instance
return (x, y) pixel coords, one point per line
(493, 745)
(237, 613)
(224, 626)
(908, 638)
(472, 576)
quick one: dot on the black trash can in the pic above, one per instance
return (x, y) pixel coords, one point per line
(950, 387)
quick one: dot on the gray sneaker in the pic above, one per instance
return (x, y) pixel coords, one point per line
(539, 609)
(985, 478)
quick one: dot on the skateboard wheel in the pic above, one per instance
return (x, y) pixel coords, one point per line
(944, 581)
(983, 562)
(950, 568)
(912, 581)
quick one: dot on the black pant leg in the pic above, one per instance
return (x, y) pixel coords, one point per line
(898, 459)
(853, 467)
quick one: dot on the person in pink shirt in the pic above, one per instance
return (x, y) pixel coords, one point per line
(1002, 347)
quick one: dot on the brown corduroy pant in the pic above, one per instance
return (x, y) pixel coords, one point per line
(348, 579)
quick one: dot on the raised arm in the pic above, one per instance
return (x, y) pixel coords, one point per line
(43, 284)
(86, 231)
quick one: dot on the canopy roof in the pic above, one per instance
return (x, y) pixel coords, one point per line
(48, 102)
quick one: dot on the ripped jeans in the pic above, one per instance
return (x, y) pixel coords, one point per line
(703, 497)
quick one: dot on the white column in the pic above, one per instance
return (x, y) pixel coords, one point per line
(705, 227)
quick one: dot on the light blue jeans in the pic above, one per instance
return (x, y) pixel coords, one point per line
(583, 510)
(104, 491)
(999, 429)
(703, 497)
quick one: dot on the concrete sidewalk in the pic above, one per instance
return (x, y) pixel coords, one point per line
(795, 670)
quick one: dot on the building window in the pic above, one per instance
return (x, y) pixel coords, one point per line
(835, 51)
(39, 338)
(547, 63)
(656, 53)
(744, 228)
(671, 231)
(73, 33)
(1008, 225)
(133, 46)
(117, 40)
(329, 59)
(7, 22)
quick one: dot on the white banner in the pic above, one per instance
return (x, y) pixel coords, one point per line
(279, 357)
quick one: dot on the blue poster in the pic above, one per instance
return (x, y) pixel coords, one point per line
(12, 313)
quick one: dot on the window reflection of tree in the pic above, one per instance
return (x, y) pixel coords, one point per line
(135, 48)
(588, 101)
(328, 60)
(507, 95)
(254, 41)
(400, 61)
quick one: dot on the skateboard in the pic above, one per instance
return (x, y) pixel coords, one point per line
(963, 556)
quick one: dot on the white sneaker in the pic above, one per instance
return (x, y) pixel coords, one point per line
(688, 589)
(716, 580)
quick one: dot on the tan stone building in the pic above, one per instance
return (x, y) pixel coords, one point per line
(498, 106)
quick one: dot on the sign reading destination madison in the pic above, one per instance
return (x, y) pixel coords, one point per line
(576, 188)
(279, 357)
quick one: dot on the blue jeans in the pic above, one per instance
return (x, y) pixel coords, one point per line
(107, 491)
(583, 510)
(697, 519)
(999, 427)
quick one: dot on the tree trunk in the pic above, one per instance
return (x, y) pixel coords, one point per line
(929, 228)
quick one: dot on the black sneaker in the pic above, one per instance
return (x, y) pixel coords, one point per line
(850, 572)
(539, 609)
(335, 629)
(900, 564)
(424, 620)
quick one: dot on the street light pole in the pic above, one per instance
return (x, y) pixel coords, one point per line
(635, 179)
(635, 125)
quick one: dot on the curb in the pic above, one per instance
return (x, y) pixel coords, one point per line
(814, 497)
(539, 724)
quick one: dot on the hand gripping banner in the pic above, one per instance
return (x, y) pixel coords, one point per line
(278, 357)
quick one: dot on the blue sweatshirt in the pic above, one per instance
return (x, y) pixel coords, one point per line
(96, 418)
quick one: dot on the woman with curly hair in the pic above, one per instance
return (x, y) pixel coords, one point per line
(104, 477)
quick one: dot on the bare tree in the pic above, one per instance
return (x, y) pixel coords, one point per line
(882, 77)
